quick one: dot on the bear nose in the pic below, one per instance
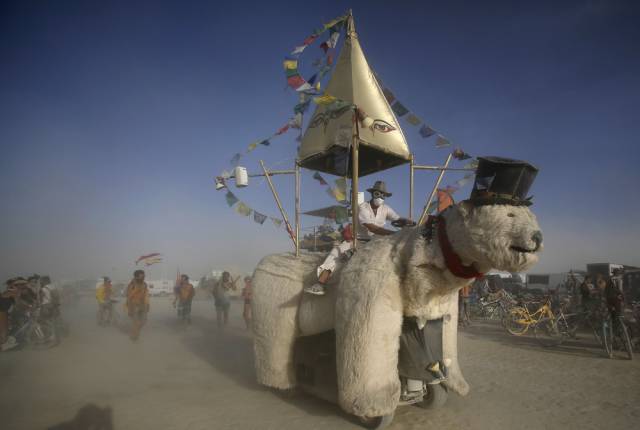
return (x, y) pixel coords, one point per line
(537, 238)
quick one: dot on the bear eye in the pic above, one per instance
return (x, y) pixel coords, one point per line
(511, 215)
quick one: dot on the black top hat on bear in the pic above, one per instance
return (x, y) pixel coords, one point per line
(502, 181)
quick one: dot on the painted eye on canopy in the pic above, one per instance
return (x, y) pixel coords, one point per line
(382, 126)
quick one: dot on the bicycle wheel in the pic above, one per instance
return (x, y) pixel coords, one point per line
(623, 340)
(607, 337)
(518, 321)
(547, 332)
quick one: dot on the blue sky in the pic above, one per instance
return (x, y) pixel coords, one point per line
(115, 117)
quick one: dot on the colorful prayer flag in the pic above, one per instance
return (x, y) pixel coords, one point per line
(426, 131)
(324, 46)
(342, 215)
(265, 142)
(459, 154)
(296, 121)
(304, 87)
(341, 183)
(258, 217)
(252, 146)
(442, 142)
(413, 120)
(333, 39)
(282, 130)
(309, 40)
(324, 99)
(298, 50)
(295, 82)
(277, 222)
(231, 199)
(388, 95)
(319, 178)
(290, 64)
(243, 209)
(399, 109)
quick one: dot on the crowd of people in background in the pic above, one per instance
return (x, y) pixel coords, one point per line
(29, 312)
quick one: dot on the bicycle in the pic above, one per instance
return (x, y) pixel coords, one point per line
(496, 308)
(520, 318)
(617, 336)
(35, 331)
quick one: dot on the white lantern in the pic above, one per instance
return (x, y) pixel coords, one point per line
(242, 177)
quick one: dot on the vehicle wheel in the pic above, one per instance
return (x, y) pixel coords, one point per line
(436, 397)
(517, 321)
(547, 332)
(376, 422)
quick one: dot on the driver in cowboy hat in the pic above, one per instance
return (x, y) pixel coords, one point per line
(372, 216)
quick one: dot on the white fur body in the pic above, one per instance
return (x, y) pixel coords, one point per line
(386, 279)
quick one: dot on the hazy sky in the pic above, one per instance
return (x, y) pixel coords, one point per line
(115, 117)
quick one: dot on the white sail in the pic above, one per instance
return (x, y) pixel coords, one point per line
(326, 142)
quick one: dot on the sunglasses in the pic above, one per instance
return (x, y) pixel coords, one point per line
(377, 194)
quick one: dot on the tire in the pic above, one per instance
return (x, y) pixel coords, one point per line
(376, 422)
(607, 337)
(622, 336)
(515, 321)
(547, 332)
(436, 397)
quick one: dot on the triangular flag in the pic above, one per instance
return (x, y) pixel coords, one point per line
(282, 130)
(319, 178)
(290, 64)
(324, 99)
(388, 95)
(333, 39)
(304, 87)
(251, 147)
(426, 131)
(265, 142)
(295, 81)
(298, 50)
(243, 209)
(231, 199)
(399, 109)
(442, 142)
(459, 154)
(277, 222)
(341, 183)
(258, 217)
(413, 120)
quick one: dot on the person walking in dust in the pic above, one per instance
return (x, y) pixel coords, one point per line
(105, 306)
(137, 303)
(183, 298)
(221, 298)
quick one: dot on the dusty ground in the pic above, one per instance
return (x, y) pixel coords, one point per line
(201, 378)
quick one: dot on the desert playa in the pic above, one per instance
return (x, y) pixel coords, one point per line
(203, 378)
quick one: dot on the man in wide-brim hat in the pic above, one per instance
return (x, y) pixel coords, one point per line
(372, 218)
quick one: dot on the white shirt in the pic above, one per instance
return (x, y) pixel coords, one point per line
(383, 214)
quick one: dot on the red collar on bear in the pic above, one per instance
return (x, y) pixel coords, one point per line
(451, 259)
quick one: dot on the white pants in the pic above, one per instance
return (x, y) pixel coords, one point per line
(331, 261)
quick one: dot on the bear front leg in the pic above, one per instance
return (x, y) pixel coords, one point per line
(455, 380)
(368, 326)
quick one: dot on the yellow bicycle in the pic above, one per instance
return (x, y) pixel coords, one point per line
(520, 318)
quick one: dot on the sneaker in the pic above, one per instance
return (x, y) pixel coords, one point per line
(315, 289)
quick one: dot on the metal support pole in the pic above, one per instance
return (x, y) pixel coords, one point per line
(297, 206)
(277, 199)
(315, 239)
(411, 188)
(354, 180)
(433, 192)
